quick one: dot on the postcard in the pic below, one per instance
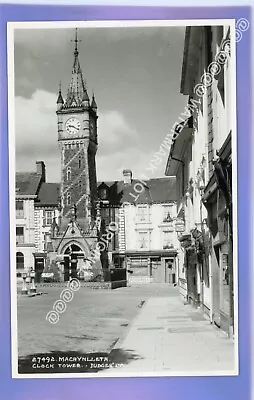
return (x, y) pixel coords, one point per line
(123, 197)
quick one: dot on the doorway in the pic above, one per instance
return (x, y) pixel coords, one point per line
(71, 256)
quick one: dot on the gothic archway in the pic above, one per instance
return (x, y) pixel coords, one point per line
(73, 258)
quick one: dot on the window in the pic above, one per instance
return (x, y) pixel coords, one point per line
(105, 212)
(167, 214)
(143, 240)
(80, 186)
(19, 260)
(68, 174)
(167, 240)
(68, 199)
(19, 209)
(48, 218)
(19, 234)
(79, 162)
(142, 213)
(103, 194)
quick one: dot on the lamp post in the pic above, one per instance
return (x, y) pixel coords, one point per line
(24, 289)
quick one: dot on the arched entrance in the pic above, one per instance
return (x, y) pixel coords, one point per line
(73, 256)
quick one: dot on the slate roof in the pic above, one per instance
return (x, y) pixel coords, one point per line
(27, 183)
(156, 190)
(48, 195)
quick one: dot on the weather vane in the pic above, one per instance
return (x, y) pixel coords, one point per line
(76, 40)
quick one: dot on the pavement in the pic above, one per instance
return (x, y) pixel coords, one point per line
(170, 338)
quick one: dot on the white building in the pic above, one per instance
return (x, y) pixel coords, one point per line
(200, 158)
(146, 242)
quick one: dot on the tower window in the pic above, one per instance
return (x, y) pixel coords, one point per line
(79, 162)
(68, 174)
(68, 199)
(77, 145)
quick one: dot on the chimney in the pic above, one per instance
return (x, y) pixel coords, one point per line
(41, 170)
(127, 176)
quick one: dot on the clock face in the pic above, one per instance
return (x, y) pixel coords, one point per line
(72, 125)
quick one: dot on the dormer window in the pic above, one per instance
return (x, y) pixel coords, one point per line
(103, 194)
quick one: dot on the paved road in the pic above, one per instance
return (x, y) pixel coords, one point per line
(147, 329)
(93, 321)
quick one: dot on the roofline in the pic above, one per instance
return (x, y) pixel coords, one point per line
(37, 205)
(26, 196)
(184, 62)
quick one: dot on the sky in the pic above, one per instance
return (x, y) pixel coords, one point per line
(135, 74)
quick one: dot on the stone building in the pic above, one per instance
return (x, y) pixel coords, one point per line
(200, 158)
(74, 239)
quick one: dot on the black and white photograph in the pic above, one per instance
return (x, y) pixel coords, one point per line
(123, 210)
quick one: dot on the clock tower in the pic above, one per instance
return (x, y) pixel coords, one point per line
(77, 138)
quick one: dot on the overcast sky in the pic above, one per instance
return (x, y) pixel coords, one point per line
(135, 74)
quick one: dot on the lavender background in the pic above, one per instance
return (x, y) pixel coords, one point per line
(136, 388)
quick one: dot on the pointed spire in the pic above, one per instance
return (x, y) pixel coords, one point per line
(60, 97)
(77, 87)
(94, 105)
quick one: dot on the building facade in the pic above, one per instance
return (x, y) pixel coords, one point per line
(37, 206)
(200, 158)
(145, 241)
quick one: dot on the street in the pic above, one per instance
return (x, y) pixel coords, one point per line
(143, 328)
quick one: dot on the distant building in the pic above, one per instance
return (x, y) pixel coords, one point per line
(145, 212)
(200, 158)
(37, 206)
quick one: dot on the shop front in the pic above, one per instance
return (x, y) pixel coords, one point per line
(217, 200)
(148, 267)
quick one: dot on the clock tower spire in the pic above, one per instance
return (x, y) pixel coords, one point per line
(77, 138)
